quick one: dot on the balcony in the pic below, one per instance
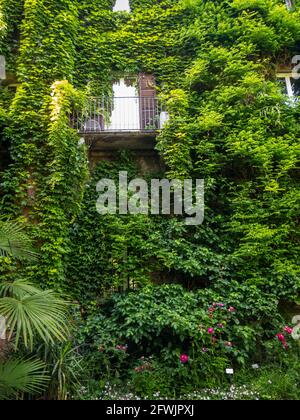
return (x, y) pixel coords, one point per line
(121, 122)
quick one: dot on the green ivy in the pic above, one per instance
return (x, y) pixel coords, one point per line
(45, 182)
(231, 125)
(214, 62)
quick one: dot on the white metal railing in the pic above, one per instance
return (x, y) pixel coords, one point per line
(120, 114)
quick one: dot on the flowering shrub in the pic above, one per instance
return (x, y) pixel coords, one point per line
(166, 338)
(282, 337)
(169, 320)
(223, 337)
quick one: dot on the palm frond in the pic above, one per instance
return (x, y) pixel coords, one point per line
(18, 376)
(14, 242)
(18, 288)
(29, 311)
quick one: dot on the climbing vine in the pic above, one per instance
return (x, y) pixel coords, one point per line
(11, 13)
(45, 182)
(231, 124)
(110, 44)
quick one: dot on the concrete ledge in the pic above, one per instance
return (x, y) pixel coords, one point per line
(131, 140)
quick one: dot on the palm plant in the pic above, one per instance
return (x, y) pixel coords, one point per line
(19, 376)
(14, 242)
(29, 313)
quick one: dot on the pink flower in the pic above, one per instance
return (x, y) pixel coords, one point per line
(210, 330)
(220, 325)
(231, 309)
(122, 348)
(221, 305)
(204, 350)
(228, 344)
(288, 330)
(184, 358)
(281, 337)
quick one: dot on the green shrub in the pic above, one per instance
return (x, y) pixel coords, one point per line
(165, 322)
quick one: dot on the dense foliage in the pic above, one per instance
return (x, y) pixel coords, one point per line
(28, 316)
(167, 339)
(215, 64)
(45, 181)
(232, 126)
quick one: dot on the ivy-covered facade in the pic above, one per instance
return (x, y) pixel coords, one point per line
(215, 64)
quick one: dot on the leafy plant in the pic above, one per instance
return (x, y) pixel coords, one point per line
(31, 312)
(65, 365)
(14, 241)
(19, 376)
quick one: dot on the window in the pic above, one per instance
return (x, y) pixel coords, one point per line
(122, 6)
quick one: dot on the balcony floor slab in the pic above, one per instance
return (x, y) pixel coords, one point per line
(120, 140)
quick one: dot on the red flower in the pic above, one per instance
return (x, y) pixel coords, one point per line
(281, 338)
(231, 309)
(288, 330)
(184, 358)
